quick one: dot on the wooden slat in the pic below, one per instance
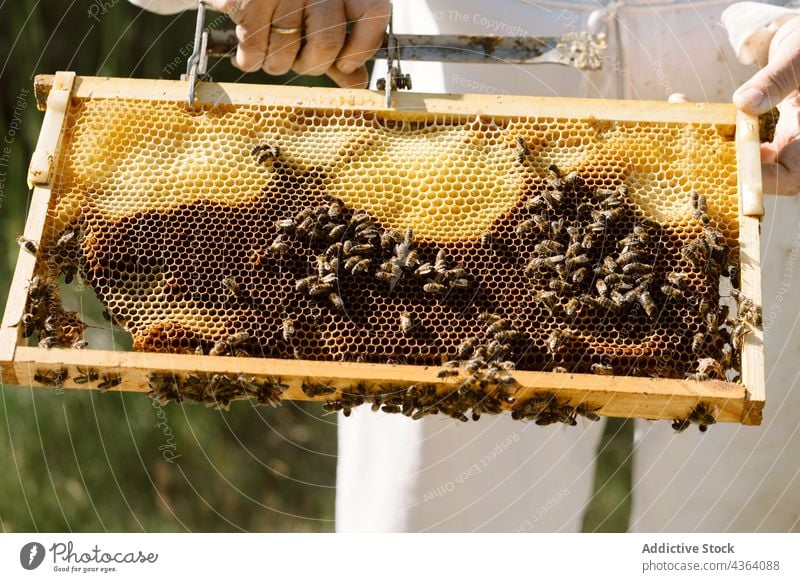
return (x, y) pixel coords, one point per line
(47, 149)
(722, 114)
(751, 206)
(651, 398)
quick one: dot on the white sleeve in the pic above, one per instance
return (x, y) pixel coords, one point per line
(165, 6)
(751, 26)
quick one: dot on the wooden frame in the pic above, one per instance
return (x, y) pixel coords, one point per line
(650, 398)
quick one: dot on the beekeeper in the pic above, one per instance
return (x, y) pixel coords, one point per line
(396, 474)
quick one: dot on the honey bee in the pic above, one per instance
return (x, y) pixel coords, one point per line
(335, 207)
(65, 240)
(389, 238)
(27, 244)
(602, 287)
(86, 375)
(319, 288)
(549, 298)
(336, 301)
(522, 150)
(459, 284)
(711, 367)
(699, 206)
(287, 328)
(109, 381)
(238, 338)
(602, 369)
(278, 247)
(48, 342)
(646, 301)
(351, 248)
(497, 324)
(703, 415)
(80, 344)
(696, 252)
(286, 224)
(232, 286)
(558, 339)
(559, 286)
(51, 378)
(434, 288)
(698, 340)
(637, 268)
(220, 348)
(265, 152)
(361, 266)
(527, 226)
(314, 389)
(586, 412)
(747, 308)
(507, 335)
(337, 231)
(671, 292)
(406, 322)
(549, 246)
(447, 373)
(573, 179)
(680, 425)
(676, 279)
(572, 307)
(601, 302)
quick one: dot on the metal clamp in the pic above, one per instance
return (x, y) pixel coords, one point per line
(394, 79)
(197, 66)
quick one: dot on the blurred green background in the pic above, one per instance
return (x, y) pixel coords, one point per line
(84, 461)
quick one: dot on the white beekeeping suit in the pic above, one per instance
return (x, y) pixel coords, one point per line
(396, 474)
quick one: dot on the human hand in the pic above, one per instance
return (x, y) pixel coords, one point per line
(307, 36)
(777, 84)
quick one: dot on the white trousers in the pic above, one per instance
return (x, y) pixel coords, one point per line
(396, 474)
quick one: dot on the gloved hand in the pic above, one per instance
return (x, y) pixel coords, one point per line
(318, 47)
(777, 84)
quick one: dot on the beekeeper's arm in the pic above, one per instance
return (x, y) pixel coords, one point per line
(770, 36)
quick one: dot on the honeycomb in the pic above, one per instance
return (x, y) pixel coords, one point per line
(321, 234)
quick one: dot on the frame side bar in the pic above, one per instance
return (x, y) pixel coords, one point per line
(40, 171)
(751, 207)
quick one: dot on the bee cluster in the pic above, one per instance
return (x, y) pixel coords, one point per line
(348, 243)
(56, 378)
(214, 390)
(46, 318)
